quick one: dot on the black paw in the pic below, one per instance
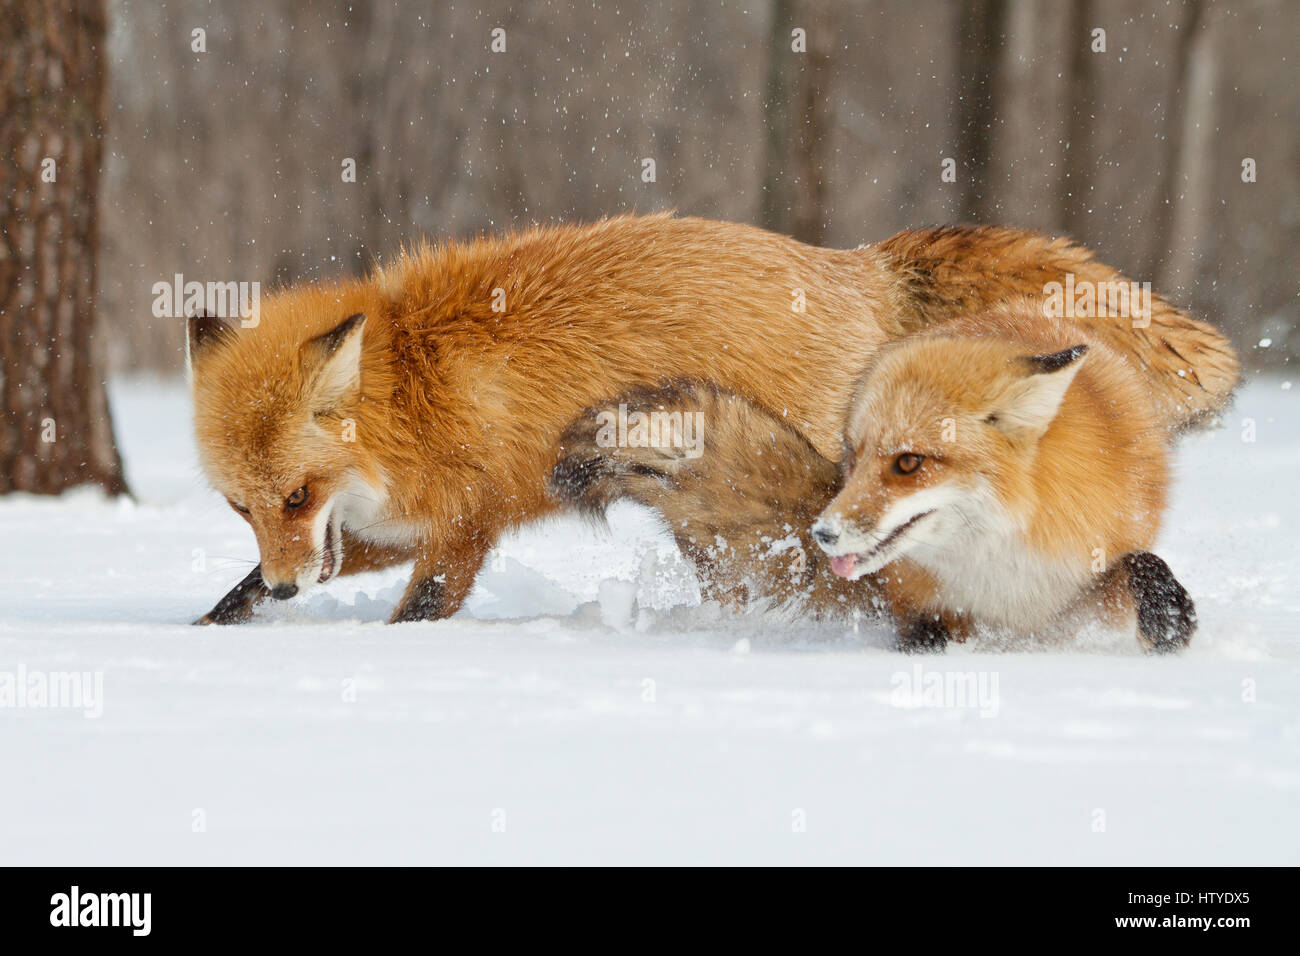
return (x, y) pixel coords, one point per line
(1165, 612)
(923, 636)
(425, 602)
(237, 606)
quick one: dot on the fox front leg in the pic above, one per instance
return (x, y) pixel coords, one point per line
(932, 633)
(441, 581)
(237, 606)
(924, 635)
(1166, 616)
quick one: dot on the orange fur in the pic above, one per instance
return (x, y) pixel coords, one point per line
(1188, 365)
(1105, 452)
(740, 511)
(1074, 496)
(459, 407)
(1075, 487)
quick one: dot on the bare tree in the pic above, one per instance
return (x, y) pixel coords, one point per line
(1171, 159)
(1080, 105)
(55, 432)
(980, 29)
(1193, 234)
(797, 114)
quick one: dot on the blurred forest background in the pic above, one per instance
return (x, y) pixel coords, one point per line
(226, 164)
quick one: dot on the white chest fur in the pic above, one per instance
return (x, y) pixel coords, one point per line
(363, 509)
(987, 571)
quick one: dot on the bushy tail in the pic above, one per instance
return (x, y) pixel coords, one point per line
(941, 273)
(740, 508)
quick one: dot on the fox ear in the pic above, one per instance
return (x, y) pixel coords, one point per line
(1029, 405)
(203, 333)
(333, 363)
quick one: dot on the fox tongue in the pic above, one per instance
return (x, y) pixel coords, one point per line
(843, 564)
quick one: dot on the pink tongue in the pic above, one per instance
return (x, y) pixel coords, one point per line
(843, 565)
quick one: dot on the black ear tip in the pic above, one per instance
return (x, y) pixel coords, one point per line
(206, 330)
(1057, 360)
(336, 336)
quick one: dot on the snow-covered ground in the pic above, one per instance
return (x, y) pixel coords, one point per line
(553, 721)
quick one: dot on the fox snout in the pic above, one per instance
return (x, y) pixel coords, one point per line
(825, 533)
(840, 541)
(282, 577)
(293, 566)
(830, 528)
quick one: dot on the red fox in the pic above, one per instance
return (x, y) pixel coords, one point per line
(413, 415)
(1003, 470)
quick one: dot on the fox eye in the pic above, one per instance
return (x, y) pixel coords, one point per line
(907, 463)
(297, 499)
(240, 508)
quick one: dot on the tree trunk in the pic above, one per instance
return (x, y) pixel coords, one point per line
(55, 431)
(1080, 108)
(980, 28)
(797, 114)
(1194, 232)
(1171, 158)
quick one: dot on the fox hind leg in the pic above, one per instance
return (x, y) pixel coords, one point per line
(739, 506)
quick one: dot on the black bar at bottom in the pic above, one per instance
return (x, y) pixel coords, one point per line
(333, 906)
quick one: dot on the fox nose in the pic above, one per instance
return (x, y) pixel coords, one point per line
(825, 534)
(282, 592)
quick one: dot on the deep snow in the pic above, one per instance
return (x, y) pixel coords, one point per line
(544, 725)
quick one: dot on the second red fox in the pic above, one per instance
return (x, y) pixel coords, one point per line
(1004, 471)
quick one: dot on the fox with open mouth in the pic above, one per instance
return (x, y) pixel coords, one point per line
(1005, 470)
